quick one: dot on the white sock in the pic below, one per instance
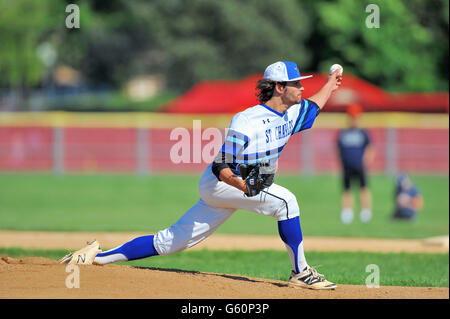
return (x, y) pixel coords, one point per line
(347, 215)
(299, 260)
(110, 259)
(110, 256)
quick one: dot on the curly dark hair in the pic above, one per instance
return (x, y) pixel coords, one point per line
(265, 89)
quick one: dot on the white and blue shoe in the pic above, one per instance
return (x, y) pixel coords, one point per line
(84, 256)
(311, 279)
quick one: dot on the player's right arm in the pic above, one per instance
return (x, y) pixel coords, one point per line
(226, 175)
(226, 160)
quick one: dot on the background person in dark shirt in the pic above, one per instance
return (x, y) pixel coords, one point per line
(408, 200)
(355, 154)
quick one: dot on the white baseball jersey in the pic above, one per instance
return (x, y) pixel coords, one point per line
(258, 133)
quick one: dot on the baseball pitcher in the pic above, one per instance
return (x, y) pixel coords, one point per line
(242, 177)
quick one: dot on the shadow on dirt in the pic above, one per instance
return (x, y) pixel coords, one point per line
(194, 272)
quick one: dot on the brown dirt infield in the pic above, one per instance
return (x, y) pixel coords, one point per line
(38, 278)
(74, 240)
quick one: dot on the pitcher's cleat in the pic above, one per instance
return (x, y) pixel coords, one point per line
(310, 279)
(84, 256)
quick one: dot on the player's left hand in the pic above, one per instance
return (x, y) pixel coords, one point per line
(335, 80)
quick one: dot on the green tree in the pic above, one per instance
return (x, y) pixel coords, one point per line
(24, 24)
(403, 54)
(197, 40)
(208, 40)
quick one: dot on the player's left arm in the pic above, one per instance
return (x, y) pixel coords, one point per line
(369, 155)
(321, 97)
(418, 202)
(369, 151)
(307, 114)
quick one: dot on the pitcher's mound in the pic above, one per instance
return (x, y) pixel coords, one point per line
(37, 277)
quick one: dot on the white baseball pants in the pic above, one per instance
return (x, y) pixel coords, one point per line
(218, 201)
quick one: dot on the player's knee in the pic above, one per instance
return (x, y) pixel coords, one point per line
(165, 242)
(289, 207)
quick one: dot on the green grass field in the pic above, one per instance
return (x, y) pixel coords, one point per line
(430, 270)
(147, 204)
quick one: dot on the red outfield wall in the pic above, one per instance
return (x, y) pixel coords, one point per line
(215, 97)
(118, 150)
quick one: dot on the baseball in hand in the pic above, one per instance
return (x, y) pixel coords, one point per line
(334, 67)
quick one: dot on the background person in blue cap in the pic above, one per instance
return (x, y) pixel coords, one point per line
(355, 153)
(408, 200)
(241, 177)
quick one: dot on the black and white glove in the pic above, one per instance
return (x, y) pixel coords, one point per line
(257, 176)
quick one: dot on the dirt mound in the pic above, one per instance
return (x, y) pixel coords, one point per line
(37, 277)
(44, 278)
(27, 261)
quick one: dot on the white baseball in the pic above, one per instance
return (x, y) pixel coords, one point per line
(334, 67)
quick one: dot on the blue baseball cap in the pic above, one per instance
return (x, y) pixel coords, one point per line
(283, 71)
